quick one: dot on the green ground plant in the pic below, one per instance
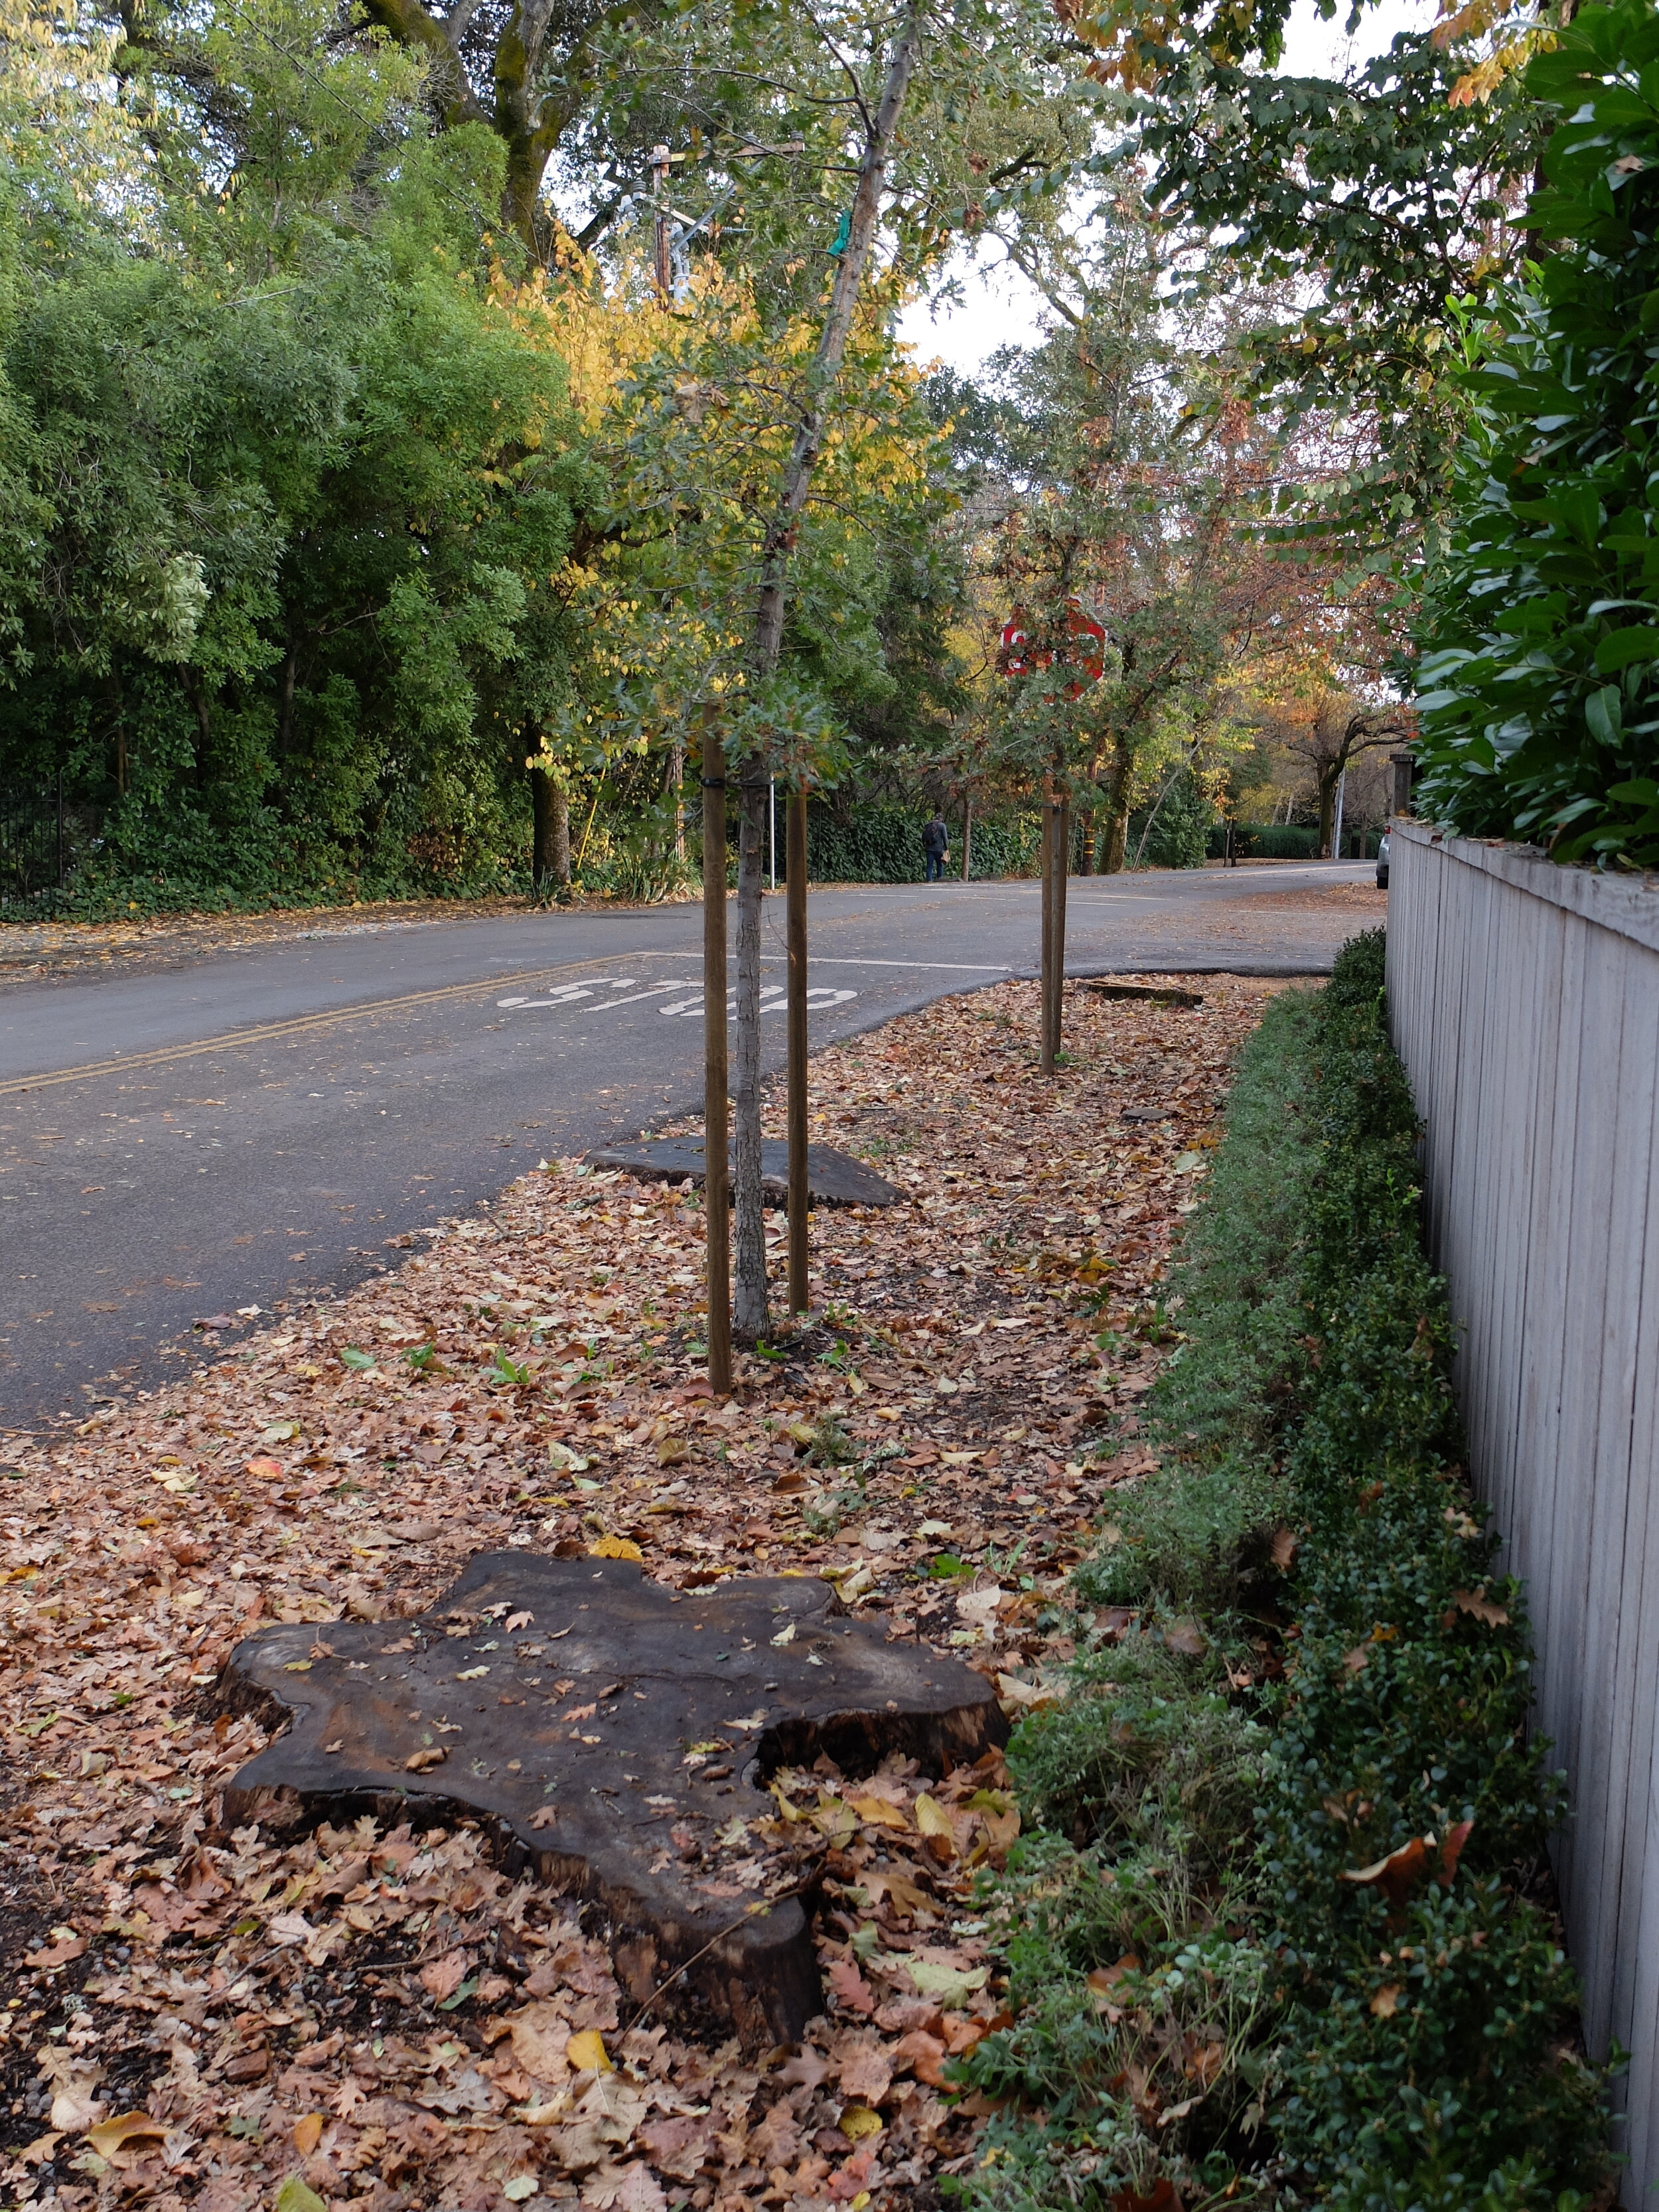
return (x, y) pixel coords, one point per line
(1271, 1937)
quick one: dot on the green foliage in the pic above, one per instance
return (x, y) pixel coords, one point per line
(1406, 2041)
(1352, 198)
(297, 491)
(301, 533)
(1540, 700)
(872, 842)
(1177, 833)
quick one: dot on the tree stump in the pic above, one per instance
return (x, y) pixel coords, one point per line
(617, 1735)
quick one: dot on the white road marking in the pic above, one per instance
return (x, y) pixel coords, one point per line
(651, 991)
(773, 1000)
(834, 960)
(567, 994)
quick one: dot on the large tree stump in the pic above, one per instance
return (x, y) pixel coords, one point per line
(617, 1735)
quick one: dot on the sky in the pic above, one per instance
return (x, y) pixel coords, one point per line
(1001, 307)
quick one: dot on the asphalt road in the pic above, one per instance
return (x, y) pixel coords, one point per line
(207, 1140)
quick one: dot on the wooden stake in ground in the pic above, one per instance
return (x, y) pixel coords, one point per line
(749, 1316)
(1062, 875)
(795, 865)
(716, 1197)
(1045, 996)
(1056, 857)
(967, 836)
(767, 644)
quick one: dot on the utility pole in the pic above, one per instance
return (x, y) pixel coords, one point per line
(716, 1184)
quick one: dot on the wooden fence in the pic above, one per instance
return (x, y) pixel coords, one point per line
(1524, 1001)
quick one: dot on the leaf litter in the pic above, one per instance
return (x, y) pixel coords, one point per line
(298, 2014)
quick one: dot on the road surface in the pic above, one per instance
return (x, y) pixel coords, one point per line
(205, 1139)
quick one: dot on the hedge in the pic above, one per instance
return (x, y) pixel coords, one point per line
(881, 843)
(1284, 841)
(1291, 1823)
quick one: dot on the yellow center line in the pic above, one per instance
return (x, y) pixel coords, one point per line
(269, 1031)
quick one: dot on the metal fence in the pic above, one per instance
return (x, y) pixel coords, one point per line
(1524, 1001)
(47, 830)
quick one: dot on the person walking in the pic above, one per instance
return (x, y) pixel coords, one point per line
(936, 848)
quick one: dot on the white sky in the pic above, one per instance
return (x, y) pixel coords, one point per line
(1001, 307)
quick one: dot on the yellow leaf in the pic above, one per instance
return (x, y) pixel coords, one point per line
(858, 2121)
(880, 1814)
(112, 2134)
(1386, 2002)
(615, 1547)
(294, 2195)
(932, 1819)
(308, 2133)
(670, 1451)
(587, 2053)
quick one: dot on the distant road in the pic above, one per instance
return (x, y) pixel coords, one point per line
(183, 1143)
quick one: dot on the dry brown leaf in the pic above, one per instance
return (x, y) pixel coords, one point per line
(1479, 1607)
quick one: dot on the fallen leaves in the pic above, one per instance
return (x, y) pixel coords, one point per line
(971, 1378)
(1480, 1608)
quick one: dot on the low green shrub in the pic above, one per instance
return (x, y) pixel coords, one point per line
(1311, 1748)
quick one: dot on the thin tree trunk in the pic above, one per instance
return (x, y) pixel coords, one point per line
(767, 646)
(749, 1316)
(795, 869)
(677, 784)
(1326, 813)
(717, 1203)
(966, 838)
(550, 804)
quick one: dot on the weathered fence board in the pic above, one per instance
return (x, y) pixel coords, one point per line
(1524, 1001)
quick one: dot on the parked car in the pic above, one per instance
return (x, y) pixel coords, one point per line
(1382, 865)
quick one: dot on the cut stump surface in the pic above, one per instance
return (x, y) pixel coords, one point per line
(617, 1733)
(833, 1177)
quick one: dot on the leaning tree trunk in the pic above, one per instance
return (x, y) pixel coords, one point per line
(750, 1317)
(750, 1308)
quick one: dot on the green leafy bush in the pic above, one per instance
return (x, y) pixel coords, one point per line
(881, 843)
(1312, 1743)
(1540, 677)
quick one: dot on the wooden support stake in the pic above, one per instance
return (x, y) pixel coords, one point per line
(1062, 871)
(1047, 991)
(716, 1188)
(966, 837)
(795, 864)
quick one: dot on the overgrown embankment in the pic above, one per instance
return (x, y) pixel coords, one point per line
(1277, 1938)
